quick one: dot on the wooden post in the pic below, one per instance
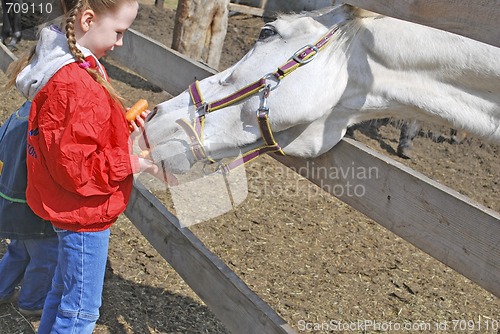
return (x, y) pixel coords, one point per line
(200, 29)
(159, 3)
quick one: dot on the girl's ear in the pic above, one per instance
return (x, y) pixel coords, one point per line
(86, 19)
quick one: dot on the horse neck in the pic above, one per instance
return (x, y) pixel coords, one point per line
(404, 70)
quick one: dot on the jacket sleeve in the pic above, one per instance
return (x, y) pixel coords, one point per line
(83, 151)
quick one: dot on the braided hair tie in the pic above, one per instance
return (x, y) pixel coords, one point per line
(84, 64)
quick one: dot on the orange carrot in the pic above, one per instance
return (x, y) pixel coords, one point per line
(136, 110)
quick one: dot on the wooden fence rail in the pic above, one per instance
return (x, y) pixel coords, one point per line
(256, 11)
(450, 227)
(227, 296)
(476, 19)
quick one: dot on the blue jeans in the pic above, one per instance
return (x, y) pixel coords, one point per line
(72, 305)
(33, 262)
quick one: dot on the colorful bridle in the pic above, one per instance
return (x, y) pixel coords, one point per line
(195, 129)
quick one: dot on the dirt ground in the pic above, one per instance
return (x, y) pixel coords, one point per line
(311, 257)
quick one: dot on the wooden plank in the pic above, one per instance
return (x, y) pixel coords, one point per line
(159, 64)
(227, 296)
(443, 223)
(474, 19)
(6, 57)
(246, 9)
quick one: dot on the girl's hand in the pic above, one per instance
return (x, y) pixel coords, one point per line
(137, 125)
(148, 166)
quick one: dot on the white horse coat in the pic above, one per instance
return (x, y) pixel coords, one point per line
(376, 67)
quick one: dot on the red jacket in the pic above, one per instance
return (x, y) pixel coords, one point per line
(79, 159)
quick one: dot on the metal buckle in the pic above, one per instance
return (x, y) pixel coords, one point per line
(263, 109)
(297, 54)
(272, 76)
(202, 110)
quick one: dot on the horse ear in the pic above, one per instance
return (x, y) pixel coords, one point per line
(349, 9)
(362, 13)
(334, 14)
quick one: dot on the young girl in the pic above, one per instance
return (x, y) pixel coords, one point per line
(79, 163)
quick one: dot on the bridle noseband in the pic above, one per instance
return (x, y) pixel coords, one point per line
(195, 129)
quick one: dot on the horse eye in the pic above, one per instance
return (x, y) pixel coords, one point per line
(266, 32)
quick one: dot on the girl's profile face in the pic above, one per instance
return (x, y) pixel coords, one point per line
(101, 32)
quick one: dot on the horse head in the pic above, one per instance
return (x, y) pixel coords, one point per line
(296, 112)
(310, 76)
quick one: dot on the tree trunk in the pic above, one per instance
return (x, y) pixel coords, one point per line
(200, 29)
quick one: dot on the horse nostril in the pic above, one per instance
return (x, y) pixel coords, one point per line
(153, 114)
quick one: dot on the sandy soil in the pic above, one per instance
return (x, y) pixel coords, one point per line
(312, 258)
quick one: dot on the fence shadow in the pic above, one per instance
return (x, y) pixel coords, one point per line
(130, 308)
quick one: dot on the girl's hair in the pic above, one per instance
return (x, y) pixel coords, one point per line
(71, 9)
(17, 66)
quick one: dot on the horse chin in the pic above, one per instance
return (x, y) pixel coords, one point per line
(174, 156)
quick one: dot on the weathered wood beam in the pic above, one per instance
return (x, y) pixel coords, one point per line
(476, 19)
(228, 297)
(449, 226)
(246, 9)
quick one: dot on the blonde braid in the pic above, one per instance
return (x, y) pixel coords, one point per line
(70, 32)
(80, 58)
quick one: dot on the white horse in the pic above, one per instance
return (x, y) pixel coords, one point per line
(369, 66)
